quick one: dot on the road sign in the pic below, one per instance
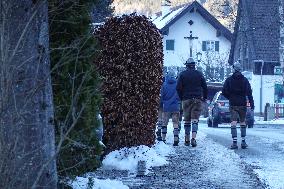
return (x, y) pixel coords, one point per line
(278, 70)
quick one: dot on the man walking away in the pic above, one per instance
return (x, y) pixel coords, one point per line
(192, 90)
(236, 88)
(170, 106)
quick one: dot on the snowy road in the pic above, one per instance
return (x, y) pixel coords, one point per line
(265, 155)
(210, 165)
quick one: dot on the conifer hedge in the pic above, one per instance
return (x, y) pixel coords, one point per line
(75, 85)
(130, 65)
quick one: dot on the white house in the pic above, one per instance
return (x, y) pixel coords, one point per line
(191, 31)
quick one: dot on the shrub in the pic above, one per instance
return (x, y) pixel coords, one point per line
(130, 64)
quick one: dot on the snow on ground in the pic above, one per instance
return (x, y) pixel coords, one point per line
(127, 158)
(269, 166)
(270, 171)
(259, 120)
(93, 183)
(224, 166)
(265, 153)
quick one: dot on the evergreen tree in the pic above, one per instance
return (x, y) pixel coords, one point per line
(224, 10)
(101, 11)
(75, 83)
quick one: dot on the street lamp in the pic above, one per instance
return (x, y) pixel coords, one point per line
(198, 56)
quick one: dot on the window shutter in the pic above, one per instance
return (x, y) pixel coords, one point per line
(217, 46)
(203, 45)
(170, 45)
(222, 74)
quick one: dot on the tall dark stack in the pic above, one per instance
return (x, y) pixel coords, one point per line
(131, 67)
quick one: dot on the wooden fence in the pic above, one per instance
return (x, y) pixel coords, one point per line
(274, 111)
(278, 110)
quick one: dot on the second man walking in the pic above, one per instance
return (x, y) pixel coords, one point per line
(192, 90)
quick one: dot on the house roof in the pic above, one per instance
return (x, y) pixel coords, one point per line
(164, 22)
(262, 29)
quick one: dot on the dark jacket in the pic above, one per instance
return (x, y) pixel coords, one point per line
(169, 95)
(236, 88)
(191, 84)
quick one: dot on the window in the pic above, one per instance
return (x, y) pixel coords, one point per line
(210, 45)
(170, 45)
(279, 93)
(282, 40)
(221, 97)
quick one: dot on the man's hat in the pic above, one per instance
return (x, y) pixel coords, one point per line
(237, 66)
(190, 61)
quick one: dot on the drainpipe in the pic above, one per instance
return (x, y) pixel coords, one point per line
(261, 83)
(261, 86)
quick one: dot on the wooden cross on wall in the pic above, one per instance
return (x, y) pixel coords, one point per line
(190, 39)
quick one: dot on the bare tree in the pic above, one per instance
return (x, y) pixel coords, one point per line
(214, 65)
(224, 10)
(27, 156)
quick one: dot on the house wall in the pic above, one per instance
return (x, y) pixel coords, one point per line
(281, 13)
(201, 29)
(268, 89)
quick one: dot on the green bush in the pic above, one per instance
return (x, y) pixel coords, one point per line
(75, 83)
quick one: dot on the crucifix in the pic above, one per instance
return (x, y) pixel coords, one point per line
(190, 39)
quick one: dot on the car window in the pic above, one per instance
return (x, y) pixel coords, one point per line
(221, 97)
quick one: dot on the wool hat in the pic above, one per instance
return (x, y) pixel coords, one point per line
(190, 61)
(171, 73)
(237, 66)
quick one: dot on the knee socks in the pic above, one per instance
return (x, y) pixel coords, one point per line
(234, 132)
(187, 129)
(176, 134)
(243, 131)
(195, 126)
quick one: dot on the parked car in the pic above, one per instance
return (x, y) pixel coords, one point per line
(218, 112)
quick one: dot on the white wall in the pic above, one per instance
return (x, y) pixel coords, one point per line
(201, 29)
(268, 89)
